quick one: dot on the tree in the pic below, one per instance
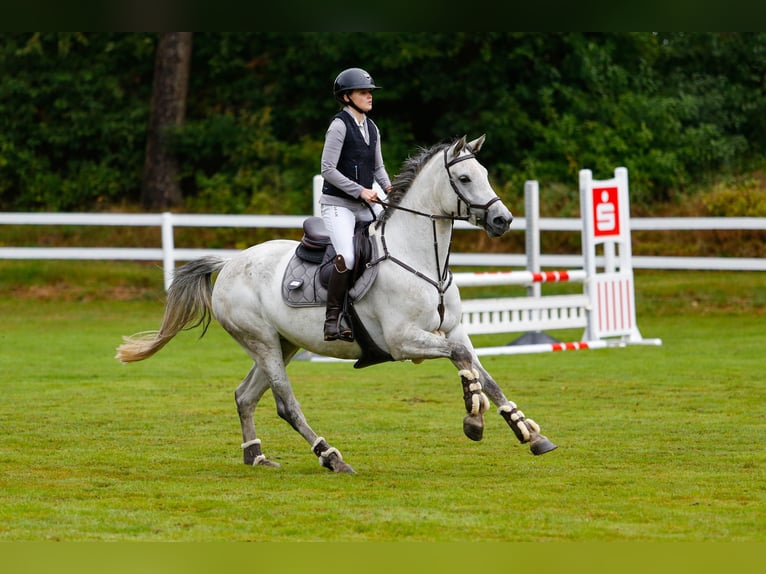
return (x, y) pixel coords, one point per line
(161, 188)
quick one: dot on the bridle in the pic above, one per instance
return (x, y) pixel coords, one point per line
(461, 198)
(443, 272)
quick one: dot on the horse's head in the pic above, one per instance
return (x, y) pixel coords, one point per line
(470, 183)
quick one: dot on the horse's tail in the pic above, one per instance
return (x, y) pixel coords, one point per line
(188, 305)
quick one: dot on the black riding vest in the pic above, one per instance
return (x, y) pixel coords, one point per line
(357, 158)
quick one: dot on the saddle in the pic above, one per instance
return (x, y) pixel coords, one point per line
(304, 283)
(308, 271)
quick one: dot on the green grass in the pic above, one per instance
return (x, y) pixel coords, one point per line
(655, 444)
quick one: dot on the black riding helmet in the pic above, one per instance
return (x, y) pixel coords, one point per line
(352, 79)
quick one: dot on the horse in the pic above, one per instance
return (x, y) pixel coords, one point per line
(412, 310)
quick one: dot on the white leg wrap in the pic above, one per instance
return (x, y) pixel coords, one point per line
(316, 442)
(328, 452)
(509, 408)
(473, 374)
(524, 430)
(475, 405)
(479, 403)
(506, 408)
(325, 453)
(250, 443)
(518, 420)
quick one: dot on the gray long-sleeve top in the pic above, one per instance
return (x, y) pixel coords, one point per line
(333, 144)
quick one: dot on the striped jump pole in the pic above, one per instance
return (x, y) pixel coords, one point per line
(546, 348)
(489, 278)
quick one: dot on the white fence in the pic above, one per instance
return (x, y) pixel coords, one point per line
(500, 315)
(169, 254)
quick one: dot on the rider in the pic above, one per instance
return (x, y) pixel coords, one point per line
(351, 161)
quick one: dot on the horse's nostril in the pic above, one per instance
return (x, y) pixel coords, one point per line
(501, 221)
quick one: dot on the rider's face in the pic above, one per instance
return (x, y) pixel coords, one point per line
(362, 99)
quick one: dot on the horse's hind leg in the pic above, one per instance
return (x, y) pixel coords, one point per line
(247, 395)
(289, 409)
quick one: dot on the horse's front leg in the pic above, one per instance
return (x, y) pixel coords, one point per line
(418, 345)
(479, 388)
(525, 429)
(476, 401)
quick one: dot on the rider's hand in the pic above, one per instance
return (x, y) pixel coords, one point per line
(369, 195)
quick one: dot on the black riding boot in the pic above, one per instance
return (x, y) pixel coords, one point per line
(336, 296)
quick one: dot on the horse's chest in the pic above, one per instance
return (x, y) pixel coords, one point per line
(427, 305)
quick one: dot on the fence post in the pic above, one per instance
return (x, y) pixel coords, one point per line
(532, 232)
(168, 247)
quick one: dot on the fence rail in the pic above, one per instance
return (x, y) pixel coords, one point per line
(169, 254)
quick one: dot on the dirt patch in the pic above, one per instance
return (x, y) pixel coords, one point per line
(75, 292)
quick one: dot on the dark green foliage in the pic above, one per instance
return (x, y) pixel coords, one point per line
(73, 110)
(677, 109)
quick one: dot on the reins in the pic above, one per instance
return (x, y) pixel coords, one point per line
(444, 276)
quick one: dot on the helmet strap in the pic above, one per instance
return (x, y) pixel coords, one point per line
(351, 104)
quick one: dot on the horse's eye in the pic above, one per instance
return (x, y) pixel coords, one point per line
(464, 179)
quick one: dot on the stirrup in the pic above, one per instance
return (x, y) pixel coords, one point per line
(346, 335)
(339, 332)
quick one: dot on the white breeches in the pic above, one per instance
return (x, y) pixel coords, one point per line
(340, 222)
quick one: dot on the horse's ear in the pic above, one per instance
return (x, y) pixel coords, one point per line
(476, 144)
(457, 147)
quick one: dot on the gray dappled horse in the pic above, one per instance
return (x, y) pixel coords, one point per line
(412, 311)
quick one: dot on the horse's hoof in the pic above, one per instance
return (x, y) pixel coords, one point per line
(335, 463)
(343, 467)
(252, 456)
(540, 444)
(473, 427)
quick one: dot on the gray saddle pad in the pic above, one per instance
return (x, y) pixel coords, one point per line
(301, 286)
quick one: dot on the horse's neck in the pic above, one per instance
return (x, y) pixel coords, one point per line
(410, 237)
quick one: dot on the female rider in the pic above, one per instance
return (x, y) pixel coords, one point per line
(351, 162)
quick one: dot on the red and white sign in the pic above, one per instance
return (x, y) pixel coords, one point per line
(606, 211)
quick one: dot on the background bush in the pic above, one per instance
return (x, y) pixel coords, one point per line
(679, 110)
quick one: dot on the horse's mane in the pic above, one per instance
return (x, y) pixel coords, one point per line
(410, 170)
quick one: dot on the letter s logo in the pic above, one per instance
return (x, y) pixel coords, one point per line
(606, 214)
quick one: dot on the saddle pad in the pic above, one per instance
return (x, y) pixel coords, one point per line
(301, 286)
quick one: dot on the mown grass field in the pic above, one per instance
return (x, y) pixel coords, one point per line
(655, 444)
